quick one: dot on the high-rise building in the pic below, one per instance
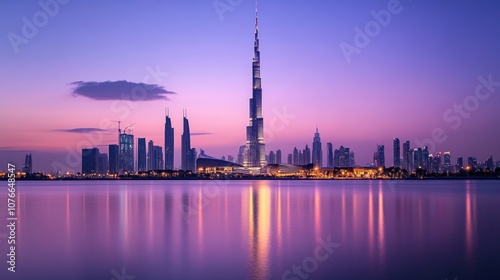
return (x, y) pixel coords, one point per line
(447, 161)
(352, 160)
(255, 155)
(126, 152)
(102, 163)
(89, 160)
(157, 158)
(347, 157)
(169, 144)
(28, 164)
(272, 158)
(380, 156)
(114, 158)
(295, 156)
(241, 155)
(397, 152)
(317, 153)
(188, 154)
(406, 155)
(278, 157)
(141, 154)
(425, 158)
(230, 158)
(307, 155)
(289, 159)
(490, 164)
(150, 157)
(417, 159)
(460, 162)
(301, 158)
(329, 155)
(472, 162)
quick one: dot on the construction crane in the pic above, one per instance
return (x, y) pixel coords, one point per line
(128, 128)
(119, 130)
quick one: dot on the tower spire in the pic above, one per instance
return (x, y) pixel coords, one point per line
(256, 15)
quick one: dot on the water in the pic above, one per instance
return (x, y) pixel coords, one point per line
(255, 230)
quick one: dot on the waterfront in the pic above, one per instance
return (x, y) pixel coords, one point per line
(373, 229)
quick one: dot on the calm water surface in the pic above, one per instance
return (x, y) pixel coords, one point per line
(255, 230)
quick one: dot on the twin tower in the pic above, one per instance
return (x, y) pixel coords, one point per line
(255, 149)
(188, 154)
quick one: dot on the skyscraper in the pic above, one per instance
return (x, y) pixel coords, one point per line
(278, 157)
(169, 144)
(114, 158)
(329, 155)
(307, 155)
(188, 155)
(380, 156)
(126, 152)
(272, 158)
(255, 154)
(447, 161)
(397, 152)
(241, 155)
(150, 165)
(102, 163)
(406, 155)
(460, 162)
(317, 153)
(295, 156)
(27, 166)
(89, 160)
(141, 154)
(157, 158)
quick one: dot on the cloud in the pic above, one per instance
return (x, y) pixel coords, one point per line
(119, 90)
(82, 130)
(200, 133)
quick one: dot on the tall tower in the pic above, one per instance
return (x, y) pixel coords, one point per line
(141, 154)
(188, 154)
(317, 153)
(126, 142)
(255, 154)
(397, 152)
(27, 167)
(169, 143)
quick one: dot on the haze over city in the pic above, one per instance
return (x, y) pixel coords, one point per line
(430, 56)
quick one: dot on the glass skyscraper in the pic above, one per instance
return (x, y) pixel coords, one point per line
(169, 144)
(255, 151)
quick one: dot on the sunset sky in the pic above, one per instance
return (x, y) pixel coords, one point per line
(67, 77)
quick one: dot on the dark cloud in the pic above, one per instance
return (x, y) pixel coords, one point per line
(82, 130)
(119, 90)
(200, 133)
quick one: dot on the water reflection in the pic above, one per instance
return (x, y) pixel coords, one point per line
(470, 221)
(253, 230)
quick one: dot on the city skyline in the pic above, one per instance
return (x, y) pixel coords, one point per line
(333, 95)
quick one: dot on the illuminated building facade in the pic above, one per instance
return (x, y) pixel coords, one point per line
(255, 151)
(126, 152)
(169, 144)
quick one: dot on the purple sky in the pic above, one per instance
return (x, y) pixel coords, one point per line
(427, 58)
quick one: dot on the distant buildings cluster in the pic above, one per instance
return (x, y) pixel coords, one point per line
(121, 157)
